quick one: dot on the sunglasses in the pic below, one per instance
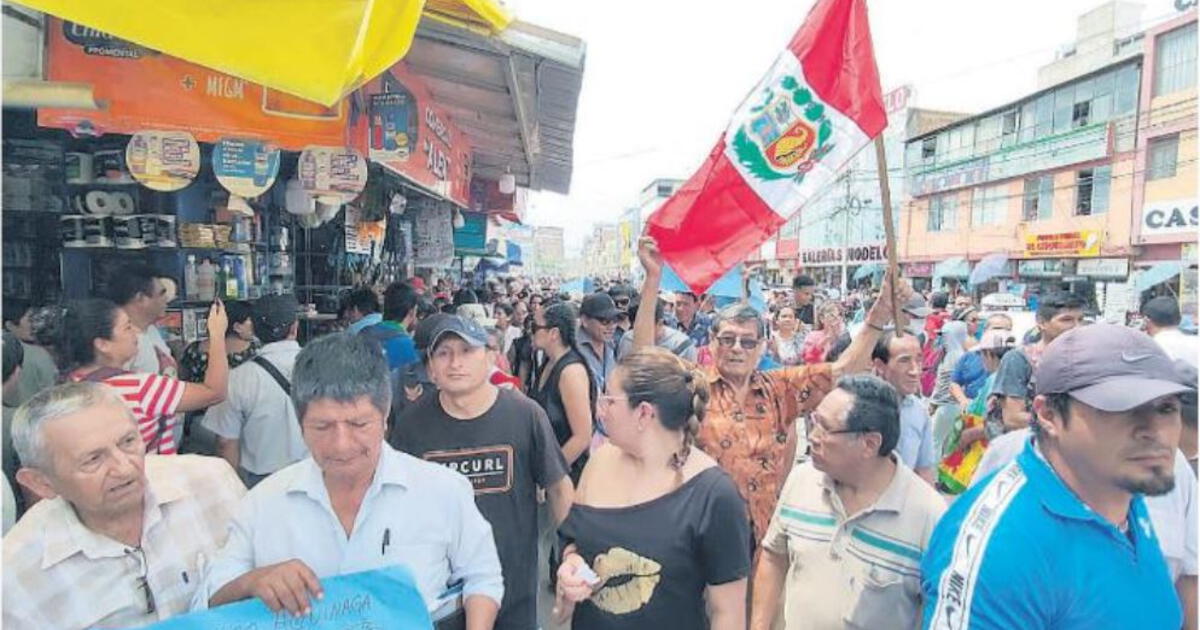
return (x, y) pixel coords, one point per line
(747, 343)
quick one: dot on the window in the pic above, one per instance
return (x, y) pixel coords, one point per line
(1164, 153)
(665, 189)
(1091, 190)
(928, 149)
(989, 206)
(1175, 62)
(1010, 123)
(1126, 89)
(1039, 198)
(942, 213)
(1079, 117)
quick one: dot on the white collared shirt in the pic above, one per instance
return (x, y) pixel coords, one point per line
(414, 513)
(59, 574)
(259, 414)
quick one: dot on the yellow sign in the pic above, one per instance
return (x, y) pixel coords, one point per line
(1079, 243)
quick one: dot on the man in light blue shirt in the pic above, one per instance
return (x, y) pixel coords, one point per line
(1061, 538)
(355, 504)
(361, 309)
(897, 360)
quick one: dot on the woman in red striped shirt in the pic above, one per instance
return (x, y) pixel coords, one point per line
(99, 340)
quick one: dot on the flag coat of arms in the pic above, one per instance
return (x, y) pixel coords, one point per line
(818, 105)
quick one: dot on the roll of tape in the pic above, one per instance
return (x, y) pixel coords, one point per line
(122, 203)
(71, 229)
(97, 231)
(165, 232)
(127, 232)
(98, 203)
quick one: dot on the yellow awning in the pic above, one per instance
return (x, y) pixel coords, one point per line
(319, 50)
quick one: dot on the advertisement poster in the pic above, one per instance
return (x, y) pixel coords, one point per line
(147, 90)
(246, 168)
(163, 160)
(1081, 243)
(364, 237)
(393, 121)
(339, 173)
(433, 236)
(438, 154)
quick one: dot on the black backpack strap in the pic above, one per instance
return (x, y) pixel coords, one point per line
(275, 374)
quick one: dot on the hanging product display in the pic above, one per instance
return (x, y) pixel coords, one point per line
(333, 175)
(163, 160)
(246, 168)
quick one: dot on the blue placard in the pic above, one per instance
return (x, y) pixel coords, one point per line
(245, 167)
(370, 600)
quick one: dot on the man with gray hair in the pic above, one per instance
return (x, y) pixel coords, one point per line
(354, 504)
(119, 537)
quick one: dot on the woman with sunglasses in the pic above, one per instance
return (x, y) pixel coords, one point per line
(564, 388)
(658, 532)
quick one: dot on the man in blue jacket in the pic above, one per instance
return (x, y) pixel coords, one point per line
(1060, 538)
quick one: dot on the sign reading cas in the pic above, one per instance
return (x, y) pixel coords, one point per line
(1080, 243)
(1175, 216)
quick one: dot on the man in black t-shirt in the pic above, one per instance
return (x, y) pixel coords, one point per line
(502, 442)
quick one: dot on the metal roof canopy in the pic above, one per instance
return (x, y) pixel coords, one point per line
(513, 94)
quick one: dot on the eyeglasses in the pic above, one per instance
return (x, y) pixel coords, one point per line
(143, 582)
(534, 327)
(747, 343)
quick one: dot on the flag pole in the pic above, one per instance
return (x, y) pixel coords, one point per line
(889, 229)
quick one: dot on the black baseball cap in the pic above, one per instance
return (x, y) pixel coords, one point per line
(272, 312)
(465, 328)
(1109, 367)
(599, 306)
(423, 334)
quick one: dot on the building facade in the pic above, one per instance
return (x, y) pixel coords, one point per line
(548, 251)
(1061, 181)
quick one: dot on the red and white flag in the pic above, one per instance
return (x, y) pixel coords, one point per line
(819, 104)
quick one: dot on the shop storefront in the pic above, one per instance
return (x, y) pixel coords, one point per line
(919, 274)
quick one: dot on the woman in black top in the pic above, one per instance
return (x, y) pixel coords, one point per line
(659, 523)
(240, 344)
(564, 388)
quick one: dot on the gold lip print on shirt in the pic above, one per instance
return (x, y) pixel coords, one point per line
(629, 581)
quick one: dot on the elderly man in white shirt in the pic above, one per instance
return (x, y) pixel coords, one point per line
(354, 504)
(119, 537)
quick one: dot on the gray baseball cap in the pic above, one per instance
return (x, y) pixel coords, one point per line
(917, 307)
(465, 328)
(1109, 367)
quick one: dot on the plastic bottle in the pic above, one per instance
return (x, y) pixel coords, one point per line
(206, 281)
(231, 284)
(191, 290)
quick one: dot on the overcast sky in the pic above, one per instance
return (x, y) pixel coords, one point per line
(662, 77)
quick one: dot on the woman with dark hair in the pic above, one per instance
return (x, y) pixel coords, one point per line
(564, 388)
(830, 326)
(659, 536)
(787, 345)
(240, 344)
(98, 339)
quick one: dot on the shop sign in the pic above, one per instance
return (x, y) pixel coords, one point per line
(1079, 243)
(435, 153)
(823, 256)
(919, 270)
(868, 253)
(956, 176)
(1040, 268)
(163, 160)
(146, 91)
(1103, 267)
(1177, 216)
(897, 99)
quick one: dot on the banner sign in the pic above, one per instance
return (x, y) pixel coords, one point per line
(383, 598)
(1080, 243)
(1175, 216)
(1104, 268)
(411, 135)
(332, 174)
(148, 90)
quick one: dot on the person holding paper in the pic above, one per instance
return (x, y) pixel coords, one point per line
(355, 503)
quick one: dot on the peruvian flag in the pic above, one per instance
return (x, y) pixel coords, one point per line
(819, 104)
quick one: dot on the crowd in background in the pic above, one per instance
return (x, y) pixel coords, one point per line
(654, 453)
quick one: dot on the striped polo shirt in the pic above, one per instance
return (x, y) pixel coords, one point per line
(852, 570)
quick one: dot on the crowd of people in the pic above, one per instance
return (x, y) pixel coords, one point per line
(665, 459)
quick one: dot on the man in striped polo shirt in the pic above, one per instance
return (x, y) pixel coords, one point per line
(851, 523)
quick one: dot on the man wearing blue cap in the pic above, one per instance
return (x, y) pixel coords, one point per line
(1061, 537)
